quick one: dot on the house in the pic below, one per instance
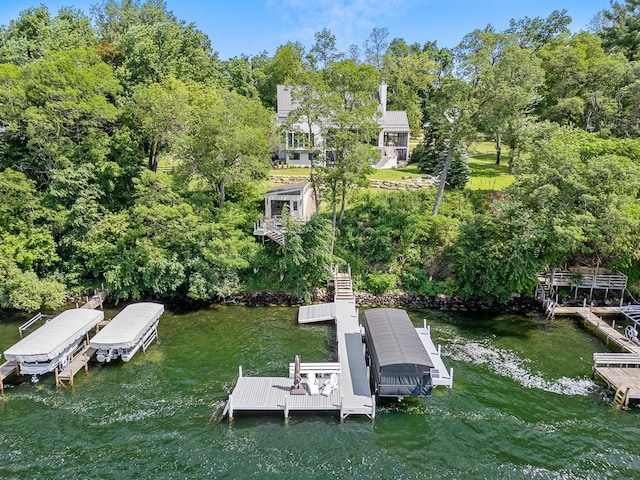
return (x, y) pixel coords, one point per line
(296, 198)
(298, 147)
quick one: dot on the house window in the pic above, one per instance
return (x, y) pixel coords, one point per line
(396, 139)
(295, 205)
(299, 139)
(294, 156)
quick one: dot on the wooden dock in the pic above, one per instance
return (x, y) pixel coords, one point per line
(353, 393)
(620, 371)
(79, 362)
(7, 370)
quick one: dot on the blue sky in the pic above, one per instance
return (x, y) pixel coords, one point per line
(252, 26)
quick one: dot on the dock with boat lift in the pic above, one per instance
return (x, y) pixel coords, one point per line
(352, 393)
(350, 396)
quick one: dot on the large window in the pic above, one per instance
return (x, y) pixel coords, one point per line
(299, 140)
(395, 139)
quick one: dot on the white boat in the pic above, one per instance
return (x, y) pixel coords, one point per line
(135, 327)
(53, 344)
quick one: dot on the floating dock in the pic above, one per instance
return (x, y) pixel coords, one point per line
(52, 345)
(134, 328)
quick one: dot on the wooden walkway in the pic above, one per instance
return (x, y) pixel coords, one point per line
(79, 361)
(620, 371)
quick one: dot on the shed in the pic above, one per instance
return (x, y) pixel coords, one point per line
(400, 365)
(298, 197)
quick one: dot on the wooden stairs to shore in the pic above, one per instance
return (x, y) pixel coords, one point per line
(343, 286)
(276, 235)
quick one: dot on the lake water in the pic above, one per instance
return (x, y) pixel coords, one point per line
(523, 406)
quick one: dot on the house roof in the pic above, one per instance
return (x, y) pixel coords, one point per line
(395, 121)
(285, 103)
(391, 121)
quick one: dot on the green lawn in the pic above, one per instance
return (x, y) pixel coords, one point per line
(485, 174)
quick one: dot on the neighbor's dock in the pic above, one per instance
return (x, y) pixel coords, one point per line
(352, 395)
(79, 361)
(620, 371)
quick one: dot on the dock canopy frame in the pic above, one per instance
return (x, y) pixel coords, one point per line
(400, 365)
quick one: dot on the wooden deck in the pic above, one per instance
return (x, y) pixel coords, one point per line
(320, 312)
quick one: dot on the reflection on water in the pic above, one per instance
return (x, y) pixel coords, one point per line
(522, 406)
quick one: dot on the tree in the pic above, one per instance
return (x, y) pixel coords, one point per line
(504, 79)
(411, 78)
(58, 111)
(148, 43)
(284, 68)
(450, 113)
(324, 52)
(432, 159)
(534, 33)
(376, 46)
(352, 109)
(228, 140)
(621, 29)
(160, 113)
(581, 83)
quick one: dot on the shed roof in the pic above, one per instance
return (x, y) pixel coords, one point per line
(395, 338)
(288, 187)
(128, 327)
(55, 336)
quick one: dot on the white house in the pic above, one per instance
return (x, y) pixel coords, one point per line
(298, 150)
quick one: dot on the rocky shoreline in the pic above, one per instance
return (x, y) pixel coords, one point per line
(401, 300)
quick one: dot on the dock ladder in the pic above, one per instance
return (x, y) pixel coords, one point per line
(620, 399)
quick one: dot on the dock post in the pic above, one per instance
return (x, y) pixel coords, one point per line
(286, 409)
(240, 371)
(373, 407)
(57, 379)
(230, 405)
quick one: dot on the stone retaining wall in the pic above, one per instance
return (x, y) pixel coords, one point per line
(400, 300)
(417, 183)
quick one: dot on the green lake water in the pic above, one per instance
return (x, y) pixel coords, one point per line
(522, 406)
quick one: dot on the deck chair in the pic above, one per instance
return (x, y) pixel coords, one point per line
(330, 385)
(312, 384)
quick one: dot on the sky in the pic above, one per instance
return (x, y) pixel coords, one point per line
(250, 27)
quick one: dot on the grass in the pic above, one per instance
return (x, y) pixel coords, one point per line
(485, 174)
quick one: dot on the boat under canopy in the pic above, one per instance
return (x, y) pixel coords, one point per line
(400, 365)
(134, 327)
(53, 344)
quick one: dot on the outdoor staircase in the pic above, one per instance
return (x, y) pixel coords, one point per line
(276, 235)
(343, 286)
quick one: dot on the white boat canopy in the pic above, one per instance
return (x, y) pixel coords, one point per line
(128, 327)
(55, 336)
